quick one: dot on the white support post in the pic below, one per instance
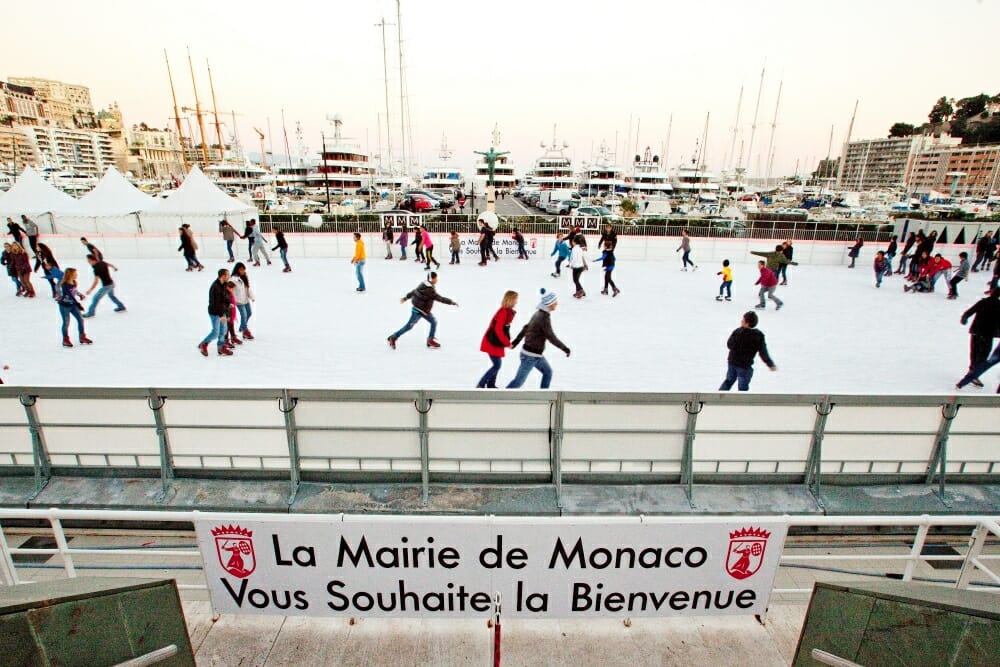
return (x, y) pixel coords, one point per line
(916, 551)
(976, 542)
(64, 553)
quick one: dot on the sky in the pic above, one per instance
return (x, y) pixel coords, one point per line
(596, 71)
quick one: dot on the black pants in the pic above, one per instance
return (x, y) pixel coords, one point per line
(979, 349)
(576, 278)
(608, 281)
(429, 256)
(953, 285)
(484, 252)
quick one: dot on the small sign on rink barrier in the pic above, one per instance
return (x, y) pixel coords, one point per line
(542, 568)
(591, 222)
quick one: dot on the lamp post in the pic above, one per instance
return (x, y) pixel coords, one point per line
(326, 175)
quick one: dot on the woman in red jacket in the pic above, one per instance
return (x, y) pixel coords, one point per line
(497, 338)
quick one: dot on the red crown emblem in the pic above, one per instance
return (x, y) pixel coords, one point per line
(231, 531)
(750, 532)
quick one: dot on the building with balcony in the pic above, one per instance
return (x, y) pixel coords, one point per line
(963, 171)
(67, 105)
(82, 151)
(154, 154)
(884, 163)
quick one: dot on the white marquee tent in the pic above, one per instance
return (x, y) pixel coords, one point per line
(198, 202)
(38, 199)
(112, 207)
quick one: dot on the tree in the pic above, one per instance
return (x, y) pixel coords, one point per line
(941, 111)
(901, 130)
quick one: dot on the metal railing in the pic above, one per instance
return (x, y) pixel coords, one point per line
(499, 437)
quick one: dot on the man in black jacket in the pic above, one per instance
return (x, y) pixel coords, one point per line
(985, 327)
(424, 296)
(535, 333)
(218, 312)
(744, 344)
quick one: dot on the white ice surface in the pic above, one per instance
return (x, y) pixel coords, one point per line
(665, 332)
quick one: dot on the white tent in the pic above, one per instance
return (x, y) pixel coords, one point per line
(111, 207)
(35, 197)
(198, 202)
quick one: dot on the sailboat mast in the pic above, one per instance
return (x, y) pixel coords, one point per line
(847, 142)
(670, 129)
(402, 93)
(198, 113)
(385, 72)
(753, 126)
(177, 115)
(284, 130)
(736, 126)
(770, 141)
(704, 143)
(215, 111)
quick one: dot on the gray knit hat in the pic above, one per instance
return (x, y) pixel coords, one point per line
(548, 298)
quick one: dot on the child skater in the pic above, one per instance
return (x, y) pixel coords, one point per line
(455, 244)
(428, 244)
(881, 266)
(686, 247)
(497, 338)
(578, 263)
(387, 238)
(232, 338)
(960, 275)
(282, 248)
(418, 243)
(404, 240)
(244, 295)
(727, 281)
(562, 250)
(519, 240)
(69, 305)
(535, 334)
(607, 260)
(424, 295)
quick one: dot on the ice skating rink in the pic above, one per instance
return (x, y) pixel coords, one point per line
(664, 333)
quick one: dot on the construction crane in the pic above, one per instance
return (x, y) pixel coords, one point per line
(263, 155)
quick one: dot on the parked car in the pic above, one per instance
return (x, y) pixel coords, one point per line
(445, 198)
(597, 211)
(417, 203)
(562, 206)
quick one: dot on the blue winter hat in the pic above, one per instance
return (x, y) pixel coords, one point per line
(548, 298)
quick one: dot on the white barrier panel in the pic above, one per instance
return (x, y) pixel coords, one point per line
(440, 567)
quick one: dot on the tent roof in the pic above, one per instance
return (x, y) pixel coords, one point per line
(199, 196)
(114, 196)
(32, 195)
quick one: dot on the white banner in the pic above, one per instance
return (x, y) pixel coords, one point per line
(446, 567)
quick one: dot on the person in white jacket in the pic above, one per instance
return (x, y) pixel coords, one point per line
(578, 263)
(244, 296)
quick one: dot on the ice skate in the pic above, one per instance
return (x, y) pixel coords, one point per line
(615, 292)
(729, 298)
(554, 275)
(256, 263)
(977, 383)
(392, 342)
(718, 298)
(604, 292)
(247, 335)
(204, 349)
(236, 340)
(760, 306)
(67, 342)
(225, 351)
(287, 269)
(84, 340)
(784, 282)
(120, 309)
(433, 344)
(778, 307)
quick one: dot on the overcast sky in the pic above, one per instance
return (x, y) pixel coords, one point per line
(587, 67)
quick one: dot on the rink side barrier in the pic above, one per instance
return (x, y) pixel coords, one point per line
(529, 437)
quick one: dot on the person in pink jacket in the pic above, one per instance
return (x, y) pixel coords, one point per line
(428, 245)
(768, 282)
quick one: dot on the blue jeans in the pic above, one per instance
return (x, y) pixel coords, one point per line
(17, 283)
(415, 316)
(229, 249)
(735, 373)
(219, 330)
(359, 272)
(284, 257)
(879, 274)
(108, 290)
(888, 263)
(527, 363)
(66, 312)
(981, 368)
(726, 285)
(489, 379)
(937, 276)
(686, 259)
(245, 313)
(402, 251)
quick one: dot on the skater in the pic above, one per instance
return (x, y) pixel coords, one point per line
(562, 250)
(16, 231)
(218, 307)
(248, 235)
(490, 237)
(484, 244)
(607, 260)
(775, 259)
(31, 231)
(259, 246)
(428, 244)
(189, 247)
(855, 251)
(53, 275)
(281, 245)
(787, 251)
(404, 239)
(960, 275)
(686, 247)
(229, 236)
(244, 295)
(455, 245)
(609, 234)
(727, 281)
(907, 254)
(578, 263)
(424, 295)
(973, 375)
(881, 266)
(42, 254)
(387, 238)
(744, 344)
(69, 305)
(534, 334)
(7, 259)
(22, 265)
(231, 338)
(497, 338)
(767, 282)
(985, 327)
(418, 245)
(519, 240)
(92, 249)
(890, 252)
(102, 273)
(358, 260)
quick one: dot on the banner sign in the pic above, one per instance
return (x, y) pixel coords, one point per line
(543, 568)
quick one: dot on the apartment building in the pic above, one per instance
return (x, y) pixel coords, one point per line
(82, 151)
(154, 153)
(67, 105)
(885, 163)
(962, 171)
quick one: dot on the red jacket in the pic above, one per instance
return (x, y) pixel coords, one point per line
(934, 266)
(497, 336)
(767, 278)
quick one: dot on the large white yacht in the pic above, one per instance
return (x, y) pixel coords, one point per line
(238, 176)
(553, 171)
(342, 166)
(444, 175)
(695, 181)
(503, 172)
(602, 175)
(648, 178)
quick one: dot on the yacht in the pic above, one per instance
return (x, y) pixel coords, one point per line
(695, 181)
(443, 176)
(648, 177)
(503, 172)
(73, 183)
(237, 177)
(294, 175)
(342, 166)
(602, 175)
(553, 171)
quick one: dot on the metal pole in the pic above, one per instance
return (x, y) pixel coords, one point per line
(156, 403)
(939, 456)
(287, 404)
(326, 175)
(687, 460)
(815, 461)
(423, 405)
(556, 452)
(39, 452)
